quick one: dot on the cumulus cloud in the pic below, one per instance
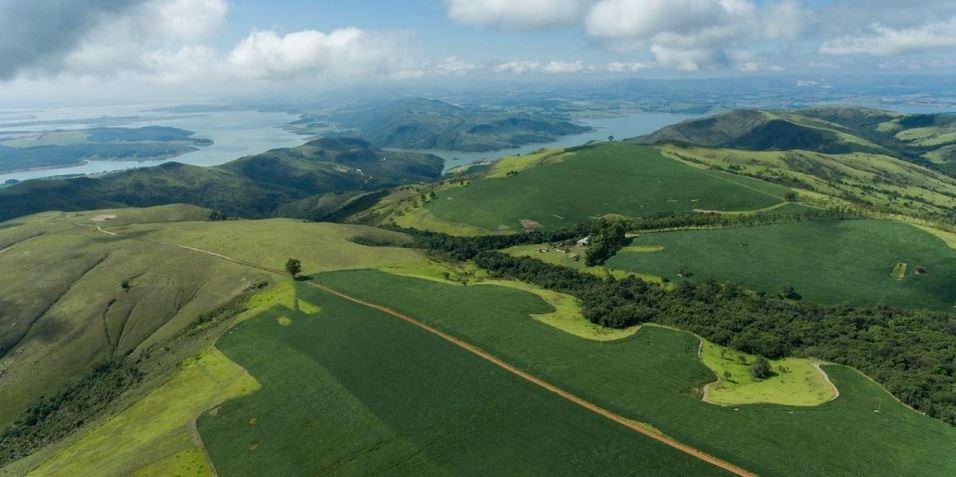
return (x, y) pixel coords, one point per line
(691, 35)
(622, 67)
(342, 53)
(170, 41)
(163, 39)
(454, 66)
(548, 67)
(882, 40)
(517, 67)
(515, 13)
(563, 67)
(39, 34)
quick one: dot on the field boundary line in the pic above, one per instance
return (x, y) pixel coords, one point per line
(630, 424)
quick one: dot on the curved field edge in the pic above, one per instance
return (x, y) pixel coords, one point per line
(416, 405)
(566, 315)
(795, 381)
(155, 435)
(656, 377)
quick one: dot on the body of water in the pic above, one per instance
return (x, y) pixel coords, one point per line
(242, 133)
(621, 127)
(234, 133)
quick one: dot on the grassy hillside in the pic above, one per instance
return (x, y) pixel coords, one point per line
(591, 181)
(330, 405)
(656, 377)
(871, 180)
(925, 139)
(255, 186)
(429, 124)
(760, 131)
(75, 297)
(856, 262)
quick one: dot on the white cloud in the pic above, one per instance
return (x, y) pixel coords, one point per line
(522, 67)
(692, 35)
(515, 13)
(563, 67)
(621, 67)
(882, 40)
(517, 67)
(454, 66)
(342, 53)
(160, 38)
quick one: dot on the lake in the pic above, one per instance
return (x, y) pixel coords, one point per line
(621, 127)
(234, 134)
(242, 133)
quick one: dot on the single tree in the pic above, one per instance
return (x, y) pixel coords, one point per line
(293, 267)
(610, 139)
(761, 369)
(791, 196)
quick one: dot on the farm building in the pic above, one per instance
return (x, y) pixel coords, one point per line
(584, 242)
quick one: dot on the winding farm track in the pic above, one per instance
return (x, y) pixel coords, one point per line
(590, 406)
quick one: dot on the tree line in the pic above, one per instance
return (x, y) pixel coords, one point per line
(910, 352)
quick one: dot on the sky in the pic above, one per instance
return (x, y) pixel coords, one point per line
(59, 48)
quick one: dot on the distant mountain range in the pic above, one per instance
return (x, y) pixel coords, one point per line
(429, 124)
(324, 172)
(925, 139)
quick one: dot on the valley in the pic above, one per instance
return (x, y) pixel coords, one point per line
(503, 315)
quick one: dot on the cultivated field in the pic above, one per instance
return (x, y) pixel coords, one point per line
(623, 179)
(656, 377)
(857, 261)
(350, 390)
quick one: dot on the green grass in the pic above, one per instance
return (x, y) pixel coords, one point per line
(829, 262)
(795, 382)
(567, 315)
(860, 177)
(269, 243)
(555, 257)
(153, 437)
(350, 390)
(65, 310)
(656, 377)
(64, 307)
(617, 178)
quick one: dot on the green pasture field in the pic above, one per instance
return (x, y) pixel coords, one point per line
(350, 390)
(795, 381)
(853, 261)
(656, 377)
(65, 307)
(624, 179)
(153, 436)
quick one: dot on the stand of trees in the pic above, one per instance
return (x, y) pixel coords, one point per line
(52, 417)
(911, 352)
(466, 248)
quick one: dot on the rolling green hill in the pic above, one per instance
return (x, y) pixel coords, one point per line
(255, 186)
(419, 123)
(925, 139)
(860, 262)
(582, 183)
(74, 296)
